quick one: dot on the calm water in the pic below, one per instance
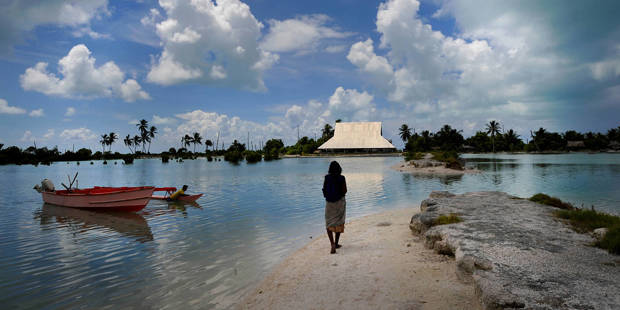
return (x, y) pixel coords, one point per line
(251, 217)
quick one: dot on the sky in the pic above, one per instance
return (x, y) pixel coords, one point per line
(72, 70)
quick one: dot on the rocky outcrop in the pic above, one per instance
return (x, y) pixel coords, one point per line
(518, 254)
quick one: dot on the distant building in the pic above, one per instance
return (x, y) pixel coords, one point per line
(357, 137)
(575, 144)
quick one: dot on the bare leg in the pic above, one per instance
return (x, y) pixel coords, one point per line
(337, 238)
(331, 241)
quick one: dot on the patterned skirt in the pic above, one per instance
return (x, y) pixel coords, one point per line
(335, 213)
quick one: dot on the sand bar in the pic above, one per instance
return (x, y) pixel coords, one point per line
(382, 265)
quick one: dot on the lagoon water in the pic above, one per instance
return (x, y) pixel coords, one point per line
(171, 256)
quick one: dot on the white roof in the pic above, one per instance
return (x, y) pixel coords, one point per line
(357, 135)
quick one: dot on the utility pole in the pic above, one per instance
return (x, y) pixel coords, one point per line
(248, 139)
(297, 132)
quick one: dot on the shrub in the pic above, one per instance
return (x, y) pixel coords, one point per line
(611, 241)
(128, 159)
(449, 156)
(253, 157)
(551, 201)
(413, 155)
(272, 154)
(233, 156)
(447, 219)
(588, 220)
(165, 158)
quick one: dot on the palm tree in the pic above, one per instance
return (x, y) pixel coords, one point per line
(152, 132)
(128, 142)
(208, 143)
(136, 141)
(327, 131)
(405, 133)
(493, 128)
(143, 126)
(187, 140)
(197, 139)
(104, 141)
(112, 137)
(512, 139)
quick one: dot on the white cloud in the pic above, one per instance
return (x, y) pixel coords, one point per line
(49, 134)
(209, 43)
(507, 59)
(70, 111)
(345, 104)
(350, 105)
(83, 134)
(87, 31)
(607, 69)
(157, 120)
(36, 113)
(18, 17)
(301, 33)
(5, 108)
(27, 136)
(81, 79)
(209, 124)
(363, 56)
(335, 48)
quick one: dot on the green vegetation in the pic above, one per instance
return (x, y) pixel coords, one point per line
(413, 156)
(551, 201)
(492, 138)
(451, 158)
(272, 149)
(589, 220)
(128, 159)
(305, 145)
(234, 154)
(404, 132)
(583, 220)
(447, 219)
(252, 156)
(611, 241)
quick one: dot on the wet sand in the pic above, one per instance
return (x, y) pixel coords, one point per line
(381, 265)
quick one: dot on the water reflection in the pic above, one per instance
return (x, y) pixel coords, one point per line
(181, 206)
(80, 221)
(443, 179)
(253, 216)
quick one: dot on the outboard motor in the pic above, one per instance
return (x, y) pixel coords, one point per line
(46, 186)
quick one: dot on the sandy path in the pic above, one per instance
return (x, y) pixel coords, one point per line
(381, 265)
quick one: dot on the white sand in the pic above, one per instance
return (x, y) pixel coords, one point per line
(381, 265)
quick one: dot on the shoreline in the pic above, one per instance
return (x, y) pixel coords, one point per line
(381, 264)
(405, 167)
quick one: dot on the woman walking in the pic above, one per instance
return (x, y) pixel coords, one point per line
(334, 189)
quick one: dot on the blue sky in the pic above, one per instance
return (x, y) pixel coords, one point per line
(73, 70)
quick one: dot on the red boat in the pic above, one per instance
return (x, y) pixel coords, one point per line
(102, 198)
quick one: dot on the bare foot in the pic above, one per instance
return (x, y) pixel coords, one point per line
(338, 246)
(333, 251)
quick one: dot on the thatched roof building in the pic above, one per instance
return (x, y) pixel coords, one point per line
(575, 144)
(357, 137)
